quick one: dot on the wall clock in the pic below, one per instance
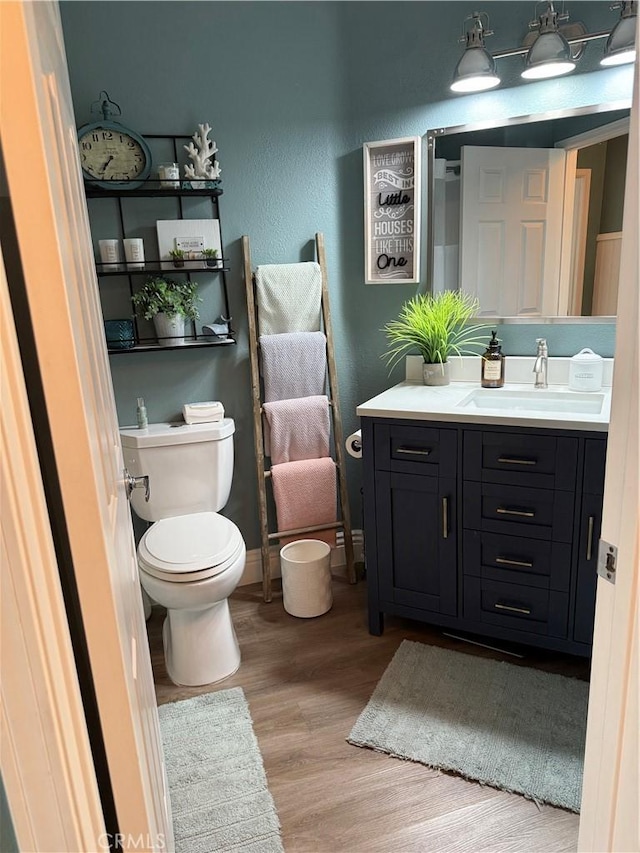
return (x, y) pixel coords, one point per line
(112, 156)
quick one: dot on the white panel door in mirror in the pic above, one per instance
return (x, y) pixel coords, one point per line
(511, 227)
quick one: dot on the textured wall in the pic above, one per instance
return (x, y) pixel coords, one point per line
(292, 91)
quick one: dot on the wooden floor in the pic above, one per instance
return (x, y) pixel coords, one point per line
(306, 682)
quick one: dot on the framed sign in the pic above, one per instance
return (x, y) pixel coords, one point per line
(392, 211)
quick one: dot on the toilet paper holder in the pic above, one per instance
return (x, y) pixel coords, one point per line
(353, 444)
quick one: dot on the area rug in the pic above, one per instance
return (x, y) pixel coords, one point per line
(217, 784)
(511, 727)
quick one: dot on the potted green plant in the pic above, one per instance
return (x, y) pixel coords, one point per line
(177, 256)
(210, 257)
(436, 325)
(168, 303)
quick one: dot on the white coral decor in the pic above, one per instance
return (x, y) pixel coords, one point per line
(201, 154)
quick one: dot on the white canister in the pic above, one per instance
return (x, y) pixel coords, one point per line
(585, 371)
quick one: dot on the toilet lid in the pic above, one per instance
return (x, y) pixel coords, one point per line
(202, 542)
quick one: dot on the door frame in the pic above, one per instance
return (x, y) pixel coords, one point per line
(609, 813)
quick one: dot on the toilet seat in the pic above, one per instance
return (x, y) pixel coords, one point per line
(190, 547)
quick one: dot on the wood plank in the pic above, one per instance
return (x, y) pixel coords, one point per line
(257, 418)
(306, 681)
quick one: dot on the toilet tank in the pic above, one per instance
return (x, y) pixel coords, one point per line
(190, 467)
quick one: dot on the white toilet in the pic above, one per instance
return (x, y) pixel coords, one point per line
(191, 559)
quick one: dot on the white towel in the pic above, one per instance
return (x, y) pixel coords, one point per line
(293, 365)
(299, 429)
(288, 297)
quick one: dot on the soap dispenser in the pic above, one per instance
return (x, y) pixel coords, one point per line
(492, 364)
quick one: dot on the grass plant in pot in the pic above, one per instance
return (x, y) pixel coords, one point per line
(211, 257)
(437, 327)
(169, 304)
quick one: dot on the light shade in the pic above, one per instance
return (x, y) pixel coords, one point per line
(476, 69)
(621, 44)
(550, 54)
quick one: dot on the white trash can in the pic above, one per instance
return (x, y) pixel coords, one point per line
(306, 577)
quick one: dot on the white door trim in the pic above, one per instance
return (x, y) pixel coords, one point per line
(598, 134)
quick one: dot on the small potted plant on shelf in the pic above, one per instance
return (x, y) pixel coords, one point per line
(436, 325)
(177, 256)
(169, 304)
(210, 257)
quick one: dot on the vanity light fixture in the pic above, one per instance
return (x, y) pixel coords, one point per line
(476, 68)
(621, 44)
(550, 54)
(552, 51)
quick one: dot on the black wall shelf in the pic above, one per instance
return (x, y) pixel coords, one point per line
(151, 188)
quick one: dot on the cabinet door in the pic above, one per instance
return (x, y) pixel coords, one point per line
(416, 519)
(590, 519)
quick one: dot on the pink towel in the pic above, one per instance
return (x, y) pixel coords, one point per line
(305, 494)
(298, 429)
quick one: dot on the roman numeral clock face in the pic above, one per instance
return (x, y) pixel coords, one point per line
(112, 157)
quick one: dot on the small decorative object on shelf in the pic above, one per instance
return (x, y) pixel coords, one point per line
(112, 156)
(210, 257)
(177, 256)
(169, 175)
(201, 154)
(110, 255)
(219, 329)
(134, 253)
(119, 334)
(168, 303)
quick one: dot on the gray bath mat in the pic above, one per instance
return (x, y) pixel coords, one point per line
(217, 784)
(511, 727)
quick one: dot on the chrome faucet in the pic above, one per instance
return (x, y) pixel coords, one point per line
(540, 365)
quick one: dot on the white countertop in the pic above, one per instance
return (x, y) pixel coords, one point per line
(412, 400)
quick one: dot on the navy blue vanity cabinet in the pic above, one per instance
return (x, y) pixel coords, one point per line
(410, 521)
(485, 529)
(590, 518)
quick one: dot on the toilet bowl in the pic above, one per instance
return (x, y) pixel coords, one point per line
(190, 564)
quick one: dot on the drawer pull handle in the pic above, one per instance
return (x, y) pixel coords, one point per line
(445, 518)
(511, 609)
(590, 526)
(524, 513)
(410, 451)
(514, 460)
(507, 562)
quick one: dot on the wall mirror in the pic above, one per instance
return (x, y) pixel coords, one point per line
(525, 213)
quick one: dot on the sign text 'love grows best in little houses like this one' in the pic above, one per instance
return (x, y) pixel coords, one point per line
(392, 211)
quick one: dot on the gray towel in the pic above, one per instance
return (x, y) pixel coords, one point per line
(288, 297)
(293, 365)
(298, 429)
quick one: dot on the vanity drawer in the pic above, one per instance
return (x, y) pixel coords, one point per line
(514, 559)
(518, 607)
(518, 511)
(539, 461)
(408, 449)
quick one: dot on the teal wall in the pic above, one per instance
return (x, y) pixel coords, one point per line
(292, 91)
(8, 843)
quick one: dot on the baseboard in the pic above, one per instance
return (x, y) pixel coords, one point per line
(253, 566)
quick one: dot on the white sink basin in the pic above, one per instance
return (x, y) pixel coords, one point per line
(535, 400)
